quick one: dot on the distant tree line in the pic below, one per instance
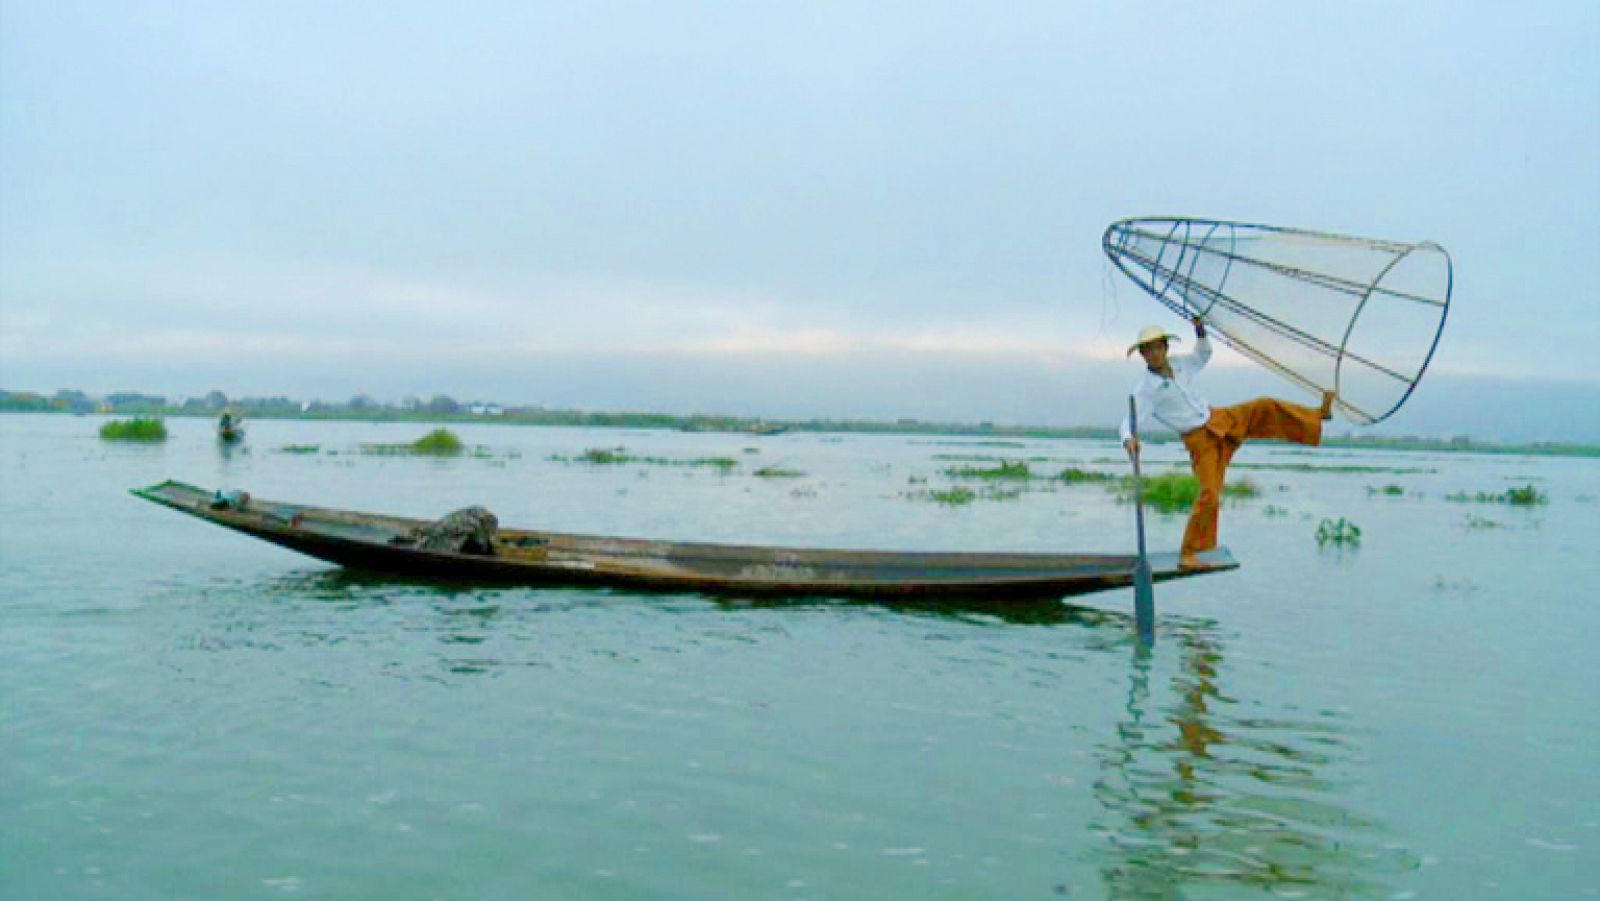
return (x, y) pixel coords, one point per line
(441, 407)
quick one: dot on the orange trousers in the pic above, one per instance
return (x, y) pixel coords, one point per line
(1212, 445)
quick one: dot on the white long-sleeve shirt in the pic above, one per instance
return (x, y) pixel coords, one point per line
(1172, 402)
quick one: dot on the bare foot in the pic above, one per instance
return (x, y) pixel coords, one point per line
(1327, 405)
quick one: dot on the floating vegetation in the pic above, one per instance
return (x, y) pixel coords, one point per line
(139, 428)
(1008, 469)
(619, 456)
(778, 472)
(300, 449)
(437, 443)
(1386, 491)
(1075, 476)
(1175, 492)
(1241, 488)
(958, 496)
(442, 442)
(1528, 496)
(1273, 511)
(961, 495)
(1476, 522)
(1338, 532)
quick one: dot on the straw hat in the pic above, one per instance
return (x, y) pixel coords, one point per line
(1151, 333)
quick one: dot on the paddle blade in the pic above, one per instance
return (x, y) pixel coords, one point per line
(1144, 601)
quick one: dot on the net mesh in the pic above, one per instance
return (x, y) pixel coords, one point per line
(1357, 316)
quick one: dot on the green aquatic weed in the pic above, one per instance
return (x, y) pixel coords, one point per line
(778, 472)
(1528, 496)
(954, 497)
(1008, 469)
(1339, 532)
(139, 428)
(441, 442)
(1174, 492)
(1072, 475)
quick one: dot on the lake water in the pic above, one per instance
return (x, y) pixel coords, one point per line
(191, 713)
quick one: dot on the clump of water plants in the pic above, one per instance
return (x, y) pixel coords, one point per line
(1174, 492)
(619, 456)
(1170, 492)
(139, 428)
(300, 449)
(1241, 488)
(1386, 491)
(1529, 496)
(778, 472)
(1008, 469)
(957, 496)
(1475, 522)
(605, 456)
(1072, 475)
(1273, 511)
(1338, 532)
(439, 442)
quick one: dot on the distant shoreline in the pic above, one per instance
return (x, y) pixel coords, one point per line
(758, 427)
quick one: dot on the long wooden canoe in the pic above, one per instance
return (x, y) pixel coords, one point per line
(373, 542)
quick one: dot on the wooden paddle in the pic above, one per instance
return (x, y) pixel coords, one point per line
(1144, 590)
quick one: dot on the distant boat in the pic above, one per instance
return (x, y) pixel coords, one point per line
(390, 544)
(230, 429)
(768, 428)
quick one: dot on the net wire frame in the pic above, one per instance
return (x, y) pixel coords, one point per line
(1358, 316)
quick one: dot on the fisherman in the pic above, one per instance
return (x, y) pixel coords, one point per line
(1166, 393)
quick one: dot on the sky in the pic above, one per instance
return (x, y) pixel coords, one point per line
(782, 209)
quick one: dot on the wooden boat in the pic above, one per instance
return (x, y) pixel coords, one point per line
(230, 430)
(382, 543)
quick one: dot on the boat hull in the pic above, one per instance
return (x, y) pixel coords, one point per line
(373, 543)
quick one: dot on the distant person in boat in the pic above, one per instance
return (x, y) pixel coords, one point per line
(1166, 394)
(230, 427)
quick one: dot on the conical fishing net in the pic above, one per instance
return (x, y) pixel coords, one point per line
(1329, 312)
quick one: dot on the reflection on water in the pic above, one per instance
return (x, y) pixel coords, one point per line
(1200, 800)
(357, 586)
(1040, 612)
